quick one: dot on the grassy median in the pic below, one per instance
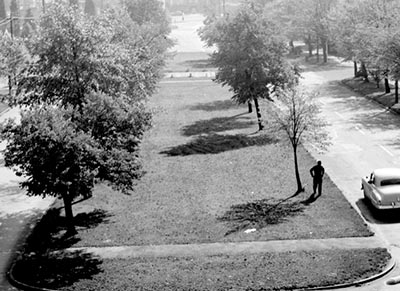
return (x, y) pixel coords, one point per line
(210, 176)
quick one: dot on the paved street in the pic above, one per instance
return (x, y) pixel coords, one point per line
(185, 34)
(365, 136)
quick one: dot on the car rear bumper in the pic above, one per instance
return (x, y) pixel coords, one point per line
(386, 206)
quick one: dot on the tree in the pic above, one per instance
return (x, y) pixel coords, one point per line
(297, 116)
(361, 30)
(148, 12)
(292, 17)
(152, 27)
(392, 58)
(303, 20)
(62, 158)
(249, 56)
(345, 23)
(321, 24)
(13, 55)
(74, 55)
(109, 53)
(82, 112)
(90, 8)
(53, 154)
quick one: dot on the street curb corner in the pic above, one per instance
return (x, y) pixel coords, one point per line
(390, 266)
(21, 285)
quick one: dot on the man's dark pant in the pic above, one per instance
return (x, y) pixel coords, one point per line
(317, 184)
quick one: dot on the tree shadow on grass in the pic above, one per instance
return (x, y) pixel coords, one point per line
(259, 214)
(50, 232)
(215, 143)
(44, 260)
(218, 124)
(55, 271)
(219, 105)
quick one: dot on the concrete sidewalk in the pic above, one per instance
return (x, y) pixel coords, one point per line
(237, 248)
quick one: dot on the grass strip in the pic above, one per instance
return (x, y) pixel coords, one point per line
(265, 271)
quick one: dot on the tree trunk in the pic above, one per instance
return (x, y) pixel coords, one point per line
(317, 50)
(396, 91)
(69, 215)
(355, 68)
(250, 106)
(10, 85)
(364, 72)
(258, 111)
(291, 45)
(387, 87)
(325, 50)
(310, 48)
(296, 169)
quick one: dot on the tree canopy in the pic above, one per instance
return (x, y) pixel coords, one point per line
(297, 115)
(249, 56)
(83, 93)
(148, 12)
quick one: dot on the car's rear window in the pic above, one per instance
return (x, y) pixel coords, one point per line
(387, 182)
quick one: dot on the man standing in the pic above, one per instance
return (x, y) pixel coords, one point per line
(317, 172)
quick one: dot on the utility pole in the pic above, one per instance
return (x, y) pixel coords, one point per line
(43, 6)
(10, 76)
(11, 26)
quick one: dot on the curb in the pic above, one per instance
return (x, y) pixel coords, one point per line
(10, 276)
(5, 110)
(390, 266)
(21, 285)
(389, 108)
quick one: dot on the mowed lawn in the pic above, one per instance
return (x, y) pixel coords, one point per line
(210, 176)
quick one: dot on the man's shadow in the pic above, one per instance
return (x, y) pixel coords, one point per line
(310, 199)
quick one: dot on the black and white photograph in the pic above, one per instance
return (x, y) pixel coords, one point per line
(199, 145)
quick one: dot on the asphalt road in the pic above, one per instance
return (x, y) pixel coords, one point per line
(365, 136)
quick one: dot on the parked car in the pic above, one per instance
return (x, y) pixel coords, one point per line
(382, 188)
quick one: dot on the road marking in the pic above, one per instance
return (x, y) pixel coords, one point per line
(340, 115)
(386, 150)
(359, 129)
